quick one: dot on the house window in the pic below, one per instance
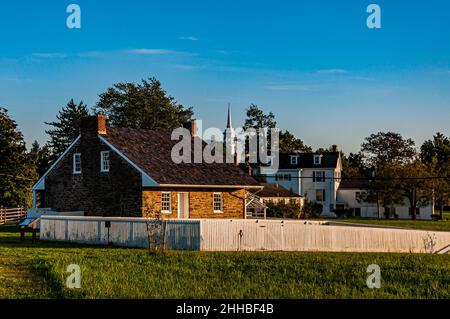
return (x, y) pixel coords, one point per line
(283, 177)
(319, 176)
(294, 159)
(360, 196)
(218, 203)
(104, 162)
(317, 159)
(77, 163)
(320, 195)
(166, 202)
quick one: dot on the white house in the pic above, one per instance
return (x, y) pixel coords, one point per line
(351, 194)
(311, 175)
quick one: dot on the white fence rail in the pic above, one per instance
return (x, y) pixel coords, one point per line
(11, 215)
(246, 235)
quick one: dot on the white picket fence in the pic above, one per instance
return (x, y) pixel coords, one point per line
(245, 235)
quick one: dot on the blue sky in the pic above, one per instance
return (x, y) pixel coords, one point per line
(315, 64)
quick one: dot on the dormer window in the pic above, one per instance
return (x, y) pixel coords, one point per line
(104, 162)
(77, 163)
(317, 159)
(294, 159)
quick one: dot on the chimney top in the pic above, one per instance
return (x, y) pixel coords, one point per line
(93, 124)
(192, 127)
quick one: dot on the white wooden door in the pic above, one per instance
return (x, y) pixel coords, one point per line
(183, 205)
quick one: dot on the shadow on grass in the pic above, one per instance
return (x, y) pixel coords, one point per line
(10, 238)
(43, 270)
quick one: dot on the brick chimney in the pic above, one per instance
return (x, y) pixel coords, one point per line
(93, 125)
(192, 127)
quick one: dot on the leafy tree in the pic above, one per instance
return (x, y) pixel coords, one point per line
(290, 144)
(66, 128)
(17, 172)
(144, 106)
(257, 119)
(384, 188)
(387, 147)
(415, 185)
(436, 153)
(353, 165)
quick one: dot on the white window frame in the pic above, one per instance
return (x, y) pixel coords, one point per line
(294, 159)
(221, 203)
(318, 179)
(102, 162)
(165, 211)
(74, 164)
(323, 195)
(317, 159)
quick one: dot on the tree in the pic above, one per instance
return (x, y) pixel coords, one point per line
(17, 172)
(436, 153)
(40, 157)
(290, 144)
(257, 119)
(388, 147)
(66, 128)
(415, 185)
(144, 106)
(353, 165)
(384, 188)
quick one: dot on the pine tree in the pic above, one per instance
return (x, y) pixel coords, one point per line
(17, 171)
(66, 129)
(40, 156)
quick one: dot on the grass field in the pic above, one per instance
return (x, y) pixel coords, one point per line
(414, 224)
(39, 271)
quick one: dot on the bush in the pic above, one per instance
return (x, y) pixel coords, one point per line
(311, 210)
(283, 210)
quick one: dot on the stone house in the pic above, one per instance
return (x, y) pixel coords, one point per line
(130, 172)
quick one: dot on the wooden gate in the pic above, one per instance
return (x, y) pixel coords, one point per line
(11, 215)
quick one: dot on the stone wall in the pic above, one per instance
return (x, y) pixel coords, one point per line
(200, 203)
(115, 193)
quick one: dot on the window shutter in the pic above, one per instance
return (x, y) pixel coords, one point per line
(314, 176)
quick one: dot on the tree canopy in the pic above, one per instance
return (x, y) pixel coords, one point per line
(17, 172)
(145, 105)
(66, 128)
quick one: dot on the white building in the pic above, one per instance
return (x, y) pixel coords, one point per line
(317, 177)
(351, 196)
(313, 176)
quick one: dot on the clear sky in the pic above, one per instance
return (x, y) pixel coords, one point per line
(314, 63)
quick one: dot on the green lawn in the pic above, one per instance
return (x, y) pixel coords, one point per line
(38, 271)
(414, 224)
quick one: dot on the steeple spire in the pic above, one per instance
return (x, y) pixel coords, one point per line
(229, 124)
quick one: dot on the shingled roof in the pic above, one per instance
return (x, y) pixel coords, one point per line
(275, 190)
(306, 160)
(151, 151)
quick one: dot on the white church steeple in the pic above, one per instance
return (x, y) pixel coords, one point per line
(230, 136)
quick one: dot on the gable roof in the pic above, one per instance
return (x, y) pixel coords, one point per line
(306, 160)
(354, 184)
(151, 152)
(275, 190)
